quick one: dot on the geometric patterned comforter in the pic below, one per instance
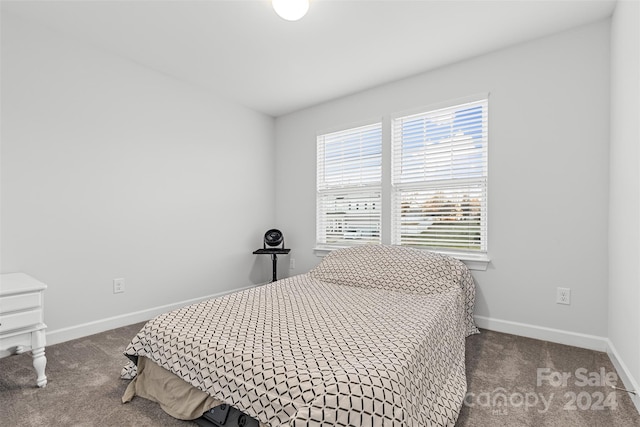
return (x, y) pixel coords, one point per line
(373, 336)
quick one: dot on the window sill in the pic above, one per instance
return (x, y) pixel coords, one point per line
(478, 262)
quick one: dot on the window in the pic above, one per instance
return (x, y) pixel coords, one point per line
(349, 186)
(434, 192)
(439, 179)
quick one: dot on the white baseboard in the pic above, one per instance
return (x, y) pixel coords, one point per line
(623, 372)
(591, 342)
(79, 331)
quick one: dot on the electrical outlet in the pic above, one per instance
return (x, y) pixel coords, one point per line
(563, 296)
(118, 286)
(292, 263)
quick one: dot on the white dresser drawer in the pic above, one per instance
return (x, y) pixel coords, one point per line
(19, 302)
(9, 322)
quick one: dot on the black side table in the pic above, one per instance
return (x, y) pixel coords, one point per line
(274, 258)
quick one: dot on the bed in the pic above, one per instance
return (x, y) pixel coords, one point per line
(372, 336)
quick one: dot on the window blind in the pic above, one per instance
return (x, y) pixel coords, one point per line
(439, 178)
(349, 174)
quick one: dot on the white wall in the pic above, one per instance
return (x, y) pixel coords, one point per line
(548, 189)
(624, 189)
(112, 170)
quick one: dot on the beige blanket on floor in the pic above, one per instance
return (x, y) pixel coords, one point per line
(176, 397)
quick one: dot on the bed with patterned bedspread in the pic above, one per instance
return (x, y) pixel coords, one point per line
(372, 336)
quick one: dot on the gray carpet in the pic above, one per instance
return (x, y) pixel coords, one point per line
(84, 388)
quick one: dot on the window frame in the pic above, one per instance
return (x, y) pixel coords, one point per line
(441, 184)
(475, 260)
(372, 189)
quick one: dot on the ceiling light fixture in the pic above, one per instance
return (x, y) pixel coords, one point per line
(291, 10)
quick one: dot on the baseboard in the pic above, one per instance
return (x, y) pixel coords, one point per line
(78, 331)
(591, 342)
(623, 373)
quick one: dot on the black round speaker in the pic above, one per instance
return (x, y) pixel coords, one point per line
(273, 237)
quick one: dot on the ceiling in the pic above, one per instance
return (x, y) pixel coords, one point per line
(241, 50)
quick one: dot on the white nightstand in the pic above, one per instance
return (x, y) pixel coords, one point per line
(21, 319)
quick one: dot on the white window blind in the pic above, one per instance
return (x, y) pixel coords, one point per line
(349, 186)
(439, 178)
